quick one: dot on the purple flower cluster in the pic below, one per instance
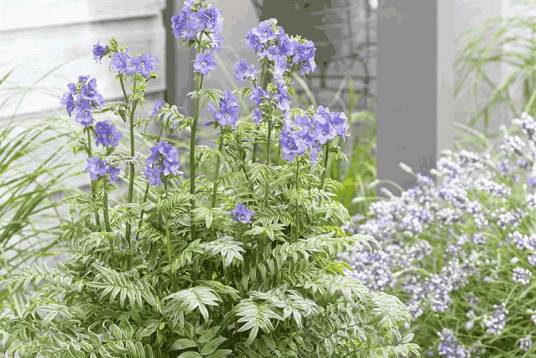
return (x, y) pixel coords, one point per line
(242, 214)
(144, 65)
(288, 53)
(449, 346)
(162, 163)
(471, 224)
(226, 115)
(82, 99)
(106, 134)
(99, 168)
(309, 133)
(496, 322)
(198, 23)
(244, 71)
(525, 343)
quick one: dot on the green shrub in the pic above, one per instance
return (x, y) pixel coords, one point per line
(173, 269)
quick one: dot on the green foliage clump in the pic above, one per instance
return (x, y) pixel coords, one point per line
(171, 271)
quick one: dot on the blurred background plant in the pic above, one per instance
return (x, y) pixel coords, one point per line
(504, 45)
(30, 210)
(460, 250)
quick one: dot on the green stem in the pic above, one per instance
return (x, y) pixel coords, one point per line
(264, 80)
(131, 170)
(90, 154)
(268, 161)
(254, 156)
(297, 183)
(106, 216)
(199, 84)
(278, 157)
(326, 158)
(169, 249)
(140, 222)
(217, 174)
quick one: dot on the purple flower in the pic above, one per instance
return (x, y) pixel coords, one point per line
(145, 65)
(82, 98)
(157, 107)
(282, 97)
(204, 63)
(113, 173)
(258, 37)
(257, 116)
(98, 168)
(106, 134)
(304, 57)
(242, 214)
(99, 51)
(162, 163)
(68, 98)
(122, 63)
(244, 71)
(258, 95)
(227, 113)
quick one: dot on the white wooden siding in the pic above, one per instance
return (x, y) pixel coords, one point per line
(48, 43)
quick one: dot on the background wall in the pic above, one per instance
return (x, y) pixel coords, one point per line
(48, 43)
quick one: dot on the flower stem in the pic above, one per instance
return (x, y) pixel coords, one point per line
(217, 174)
(278, 157)
(268, 160)
(297, 184)
(199, 84)
(131, 170)
(106, 216)
(264, 80)
(90, 154)
(169, 248)
(326, 159)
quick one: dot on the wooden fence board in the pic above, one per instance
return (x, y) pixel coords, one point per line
(24, 14)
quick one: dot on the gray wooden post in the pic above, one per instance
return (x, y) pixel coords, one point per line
(179, 76)
(415, 85)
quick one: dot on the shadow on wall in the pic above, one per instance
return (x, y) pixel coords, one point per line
(307, 18)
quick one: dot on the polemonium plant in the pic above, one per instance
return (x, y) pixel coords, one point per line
(239, 260)
(460, 251)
